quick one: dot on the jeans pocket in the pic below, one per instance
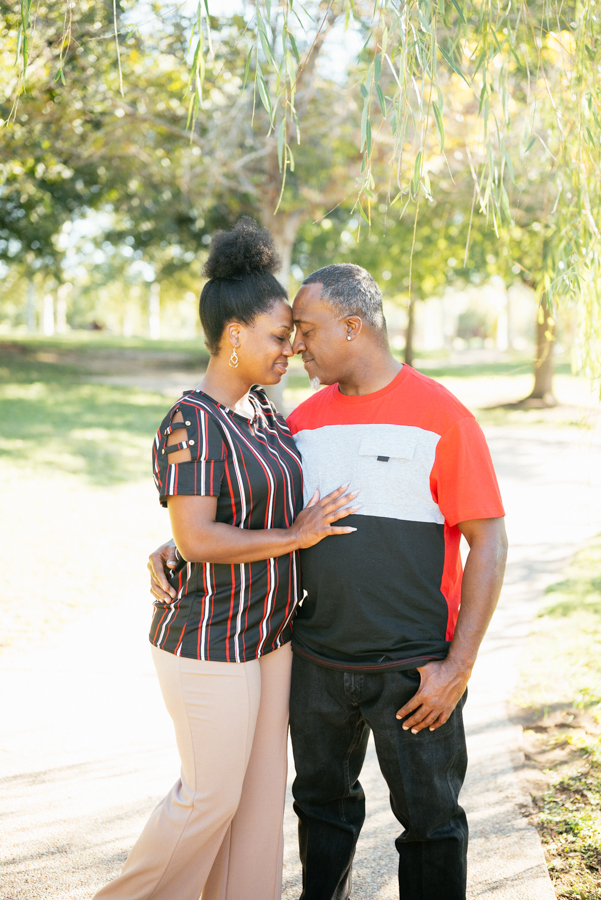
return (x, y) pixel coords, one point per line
(411, 673)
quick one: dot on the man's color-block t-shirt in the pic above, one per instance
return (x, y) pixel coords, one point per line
(388, 595)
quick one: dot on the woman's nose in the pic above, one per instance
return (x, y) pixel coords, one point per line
(288, 351)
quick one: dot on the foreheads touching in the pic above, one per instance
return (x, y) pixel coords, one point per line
(351, 291)
(338, 315)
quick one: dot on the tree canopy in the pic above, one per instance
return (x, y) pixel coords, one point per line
(428, 110)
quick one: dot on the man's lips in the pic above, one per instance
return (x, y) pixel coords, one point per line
(307, 359)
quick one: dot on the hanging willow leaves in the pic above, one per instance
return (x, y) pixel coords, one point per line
(514, 90)
(263, 91)
(281, 142)
(453, 65)
(416, 174)
(439, 124)
(247, 67)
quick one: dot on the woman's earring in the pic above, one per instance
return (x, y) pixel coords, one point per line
(234, 359)
(349, 337)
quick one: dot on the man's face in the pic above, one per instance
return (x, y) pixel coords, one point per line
(320, 336)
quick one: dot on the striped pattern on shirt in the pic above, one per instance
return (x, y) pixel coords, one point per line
(231, 612)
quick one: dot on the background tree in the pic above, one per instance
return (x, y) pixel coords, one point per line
(519, 84)
(229, 162)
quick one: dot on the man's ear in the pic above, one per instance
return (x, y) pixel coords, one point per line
(353, 325)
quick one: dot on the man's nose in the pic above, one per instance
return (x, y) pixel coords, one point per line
(298, 345)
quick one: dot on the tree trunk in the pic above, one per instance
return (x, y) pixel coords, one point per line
(154, 311)
(30, 310)
(284, 228)
(542, 392)
(410, 332)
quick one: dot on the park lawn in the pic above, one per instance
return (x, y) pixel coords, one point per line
(559, 705)
(56, 414)
(75, 473)
(99, 341)
(101, 432)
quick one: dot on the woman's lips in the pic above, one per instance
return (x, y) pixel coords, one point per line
(282, 366)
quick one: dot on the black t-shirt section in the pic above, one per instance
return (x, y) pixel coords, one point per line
(358, 611)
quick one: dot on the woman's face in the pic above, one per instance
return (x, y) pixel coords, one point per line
(264, 347)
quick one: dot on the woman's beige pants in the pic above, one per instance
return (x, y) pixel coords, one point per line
(218, 832)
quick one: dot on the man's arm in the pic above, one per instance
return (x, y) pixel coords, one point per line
(443, 682)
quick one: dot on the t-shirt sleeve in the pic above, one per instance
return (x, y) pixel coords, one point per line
(203, 473)
(463, 480)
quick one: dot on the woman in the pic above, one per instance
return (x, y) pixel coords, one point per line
(228, 471)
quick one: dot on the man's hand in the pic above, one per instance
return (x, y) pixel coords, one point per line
(442, 687)
(159, 562)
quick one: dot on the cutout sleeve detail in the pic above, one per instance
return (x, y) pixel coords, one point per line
(189, 454)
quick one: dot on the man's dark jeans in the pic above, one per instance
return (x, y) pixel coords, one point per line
(331, 714)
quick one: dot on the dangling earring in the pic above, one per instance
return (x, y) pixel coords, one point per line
(234, 359)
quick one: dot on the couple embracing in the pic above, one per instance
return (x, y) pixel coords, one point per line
(317, 577)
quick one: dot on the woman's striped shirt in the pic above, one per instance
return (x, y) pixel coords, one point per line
(237, 612)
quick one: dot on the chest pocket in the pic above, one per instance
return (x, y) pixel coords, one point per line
(387, 447)
(386, 470)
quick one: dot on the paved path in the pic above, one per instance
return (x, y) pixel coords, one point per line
(86, 747)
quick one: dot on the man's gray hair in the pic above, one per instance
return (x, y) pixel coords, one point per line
(352, 291)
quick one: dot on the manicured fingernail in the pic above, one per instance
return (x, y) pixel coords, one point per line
(405, 728)
(414, 731)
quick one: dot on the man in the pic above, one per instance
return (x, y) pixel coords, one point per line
(388, 633)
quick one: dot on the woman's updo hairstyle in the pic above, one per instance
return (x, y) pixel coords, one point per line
(241, 282)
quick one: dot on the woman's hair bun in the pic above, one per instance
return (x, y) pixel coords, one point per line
(245, 250)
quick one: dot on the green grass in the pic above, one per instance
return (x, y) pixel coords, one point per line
(567, 643)
(99, 340)
(52, 418)
(99, 431)
(560, 697)
(517, 366)
(570, 823)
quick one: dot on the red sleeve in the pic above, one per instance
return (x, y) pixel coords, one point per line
(463, 480)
